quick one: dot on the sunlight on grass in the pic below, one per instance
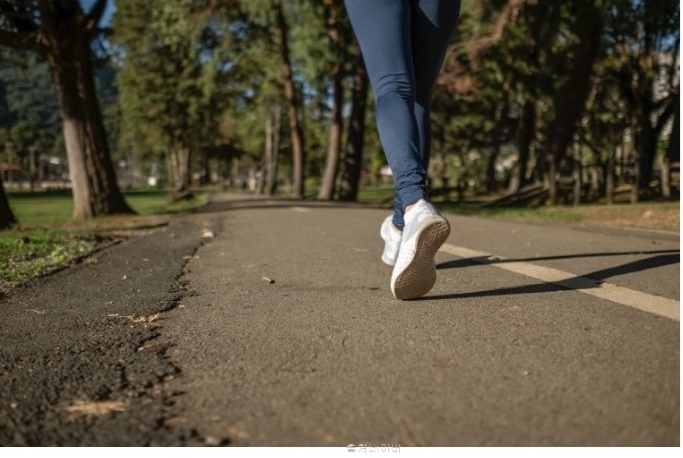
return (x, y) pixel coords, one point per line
(47, 238)
(646, 215)
(42, 208)
(376, 195)
(34, 253)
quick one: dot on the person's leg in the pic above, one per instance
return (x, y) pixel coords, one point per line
(382, 28)
(432, 25)
(425, 229)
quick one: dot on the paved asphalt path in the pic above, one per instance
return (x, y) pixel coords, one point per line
(271, 323)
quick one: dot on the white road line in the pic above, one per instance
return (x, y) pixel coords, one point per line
(301, 209)
(642, 301)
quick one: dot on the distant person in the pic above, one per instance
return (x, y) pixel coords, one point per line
(403, 43)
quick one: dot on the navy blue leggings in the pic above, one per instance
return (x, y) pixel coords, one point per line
(403, 43)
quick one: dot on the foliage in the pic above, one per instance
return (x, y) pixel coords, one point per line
(206, 75)
(173, 63)
(29, 108)
(526, 59)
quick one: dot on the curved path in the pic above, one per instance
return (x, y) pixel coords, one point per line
(279, 329)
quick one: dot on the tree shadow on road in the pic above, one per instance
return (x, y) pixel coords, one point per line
(263, 203)
(588, 281)
(495, 260)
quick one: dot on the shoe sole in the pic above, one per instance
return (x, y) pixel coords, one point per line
(420, 275)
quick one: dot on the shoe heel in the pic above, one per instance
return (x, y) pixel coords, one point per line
(420, 275)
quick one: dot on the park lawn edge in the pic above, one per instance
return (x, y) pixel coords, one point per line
(63, 244)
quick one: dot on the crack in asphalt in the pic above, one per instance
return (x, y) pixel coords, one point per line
(72, 376)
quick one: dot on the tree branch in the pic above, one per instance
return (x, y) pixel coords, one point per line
(94, 16)
(508, 15)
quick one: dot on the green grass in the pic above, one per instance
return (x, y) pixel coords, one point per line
(46, 239)
(645, 215)
(376, 195)
(44, 208)
(556, 214)
(156, 202)
(41, 207)
(28, 254)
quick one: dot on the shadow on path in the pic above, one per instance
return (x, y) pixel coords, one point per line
(224, 202)
(592, 280)
(218, 205)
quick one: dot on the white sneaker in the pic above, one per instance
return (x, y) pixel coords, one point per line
(392, 241)
(424, 232)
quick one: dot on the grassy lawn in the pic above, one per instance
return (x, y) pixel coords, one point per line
(47, 238)
(376, 195)
(663, 216)
(47, 208)
(647, 215)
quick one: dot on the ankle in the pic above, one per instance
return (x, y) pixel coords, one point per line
(410, 207)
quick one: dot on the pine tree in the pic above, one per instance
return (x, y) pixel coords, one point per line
(172, 63)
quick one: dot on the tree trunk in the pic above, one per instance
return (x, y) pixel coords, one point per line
(551, 179)
(353, 159)
(6, 216)
(491, 185)
(67, 49)
(519, 180)
(527, 133)
(235, 178)
(206, 163)
(268, 179)
(576, 175)
(336, 127)
(646, 136)
(572, 95)
(635, 147)
(610, 175)
(266, 160)
(329, 179)
(331, 169)
(295, 128)
(501, 120)
(645, 106)
(180, 157)
(673, 153)
(277, 129)
(646, 149)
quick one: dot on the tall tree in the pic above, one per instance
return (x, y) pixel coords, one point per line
(572, 94)
(539, 22)
(649, 76)
(273, 20)
(172, 63)
(60, 32)
(332, 26)
(293, 103)
(273, 151)
(353, 157)
(673, 153)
